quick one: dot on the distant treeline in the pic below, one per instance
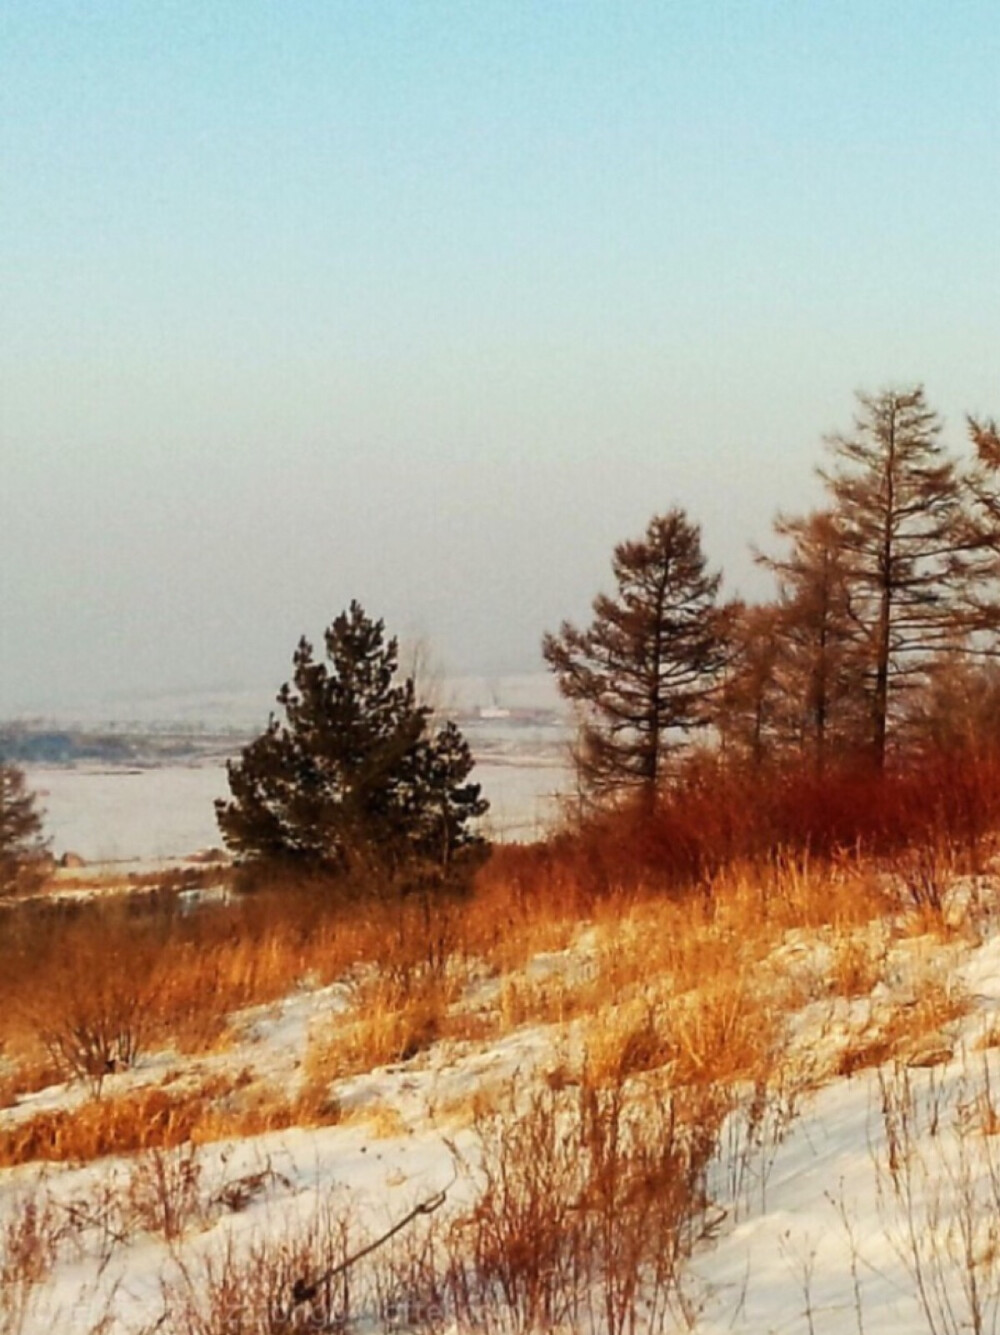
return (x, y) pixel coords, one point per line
(28, 744)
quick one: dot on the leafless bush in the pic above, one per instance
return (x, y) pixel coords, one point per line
(926, 871)
(164, 1191)
(29, 1244)
(518, 1250)
(646, 1168)
(939, 1197)
(261, 1288)
(588, 1204)
(97, 1021)
(98, 1222)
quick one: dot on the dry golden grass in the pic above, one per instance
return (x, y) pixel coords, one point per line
(932, 921)
(692, 982)
(382, 1120)
(141, 984)
(737, 923)
(154, 1118)
(466, 1109)
(912, 1029)
(679, 942)
(512, 918)
(858, 963)
(626, 1040)
(938, 1002)
(713, 1011)
(554, 1000)
(990, 1037)
(724, 1032)
(720, 1033)
(390, 1020)
(26, 1076)
(105, 1126)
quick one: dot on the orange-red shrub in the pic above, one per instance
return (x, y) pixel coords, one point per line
(712, 817)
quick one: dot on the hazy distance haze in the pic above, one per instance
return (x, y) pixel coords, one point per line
(431, 304)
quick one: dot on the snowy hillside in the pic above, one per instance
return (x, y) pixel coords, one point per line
(645, 1121)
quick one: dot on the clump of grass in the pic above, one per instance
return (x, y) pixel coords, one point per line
(258, 1288)
(390, 1021)
(620, 1042)
(900, 1029)
(381, 1119)
(471, 1106)
(717, 1033)
(154, 1118)
(587, 1205)
(858, 963)
(537, 1001)
(30, 1238)
(723, 1033)
(164, 1191)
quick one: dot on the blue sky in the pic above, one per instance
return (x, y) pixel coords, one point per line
(430, 304)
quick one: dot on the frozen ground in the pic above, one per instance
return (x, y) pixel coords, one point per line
(838, 1204)
(125, 815)
(861, 1203)
(112, 814)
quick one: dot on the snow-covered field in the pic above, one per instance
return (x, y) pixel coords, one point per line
(111, 813)
(124, 815)
(844, 1194)
(838, 1202)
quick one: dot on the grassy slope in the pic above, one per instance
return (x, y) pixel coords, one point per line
(743, 1101)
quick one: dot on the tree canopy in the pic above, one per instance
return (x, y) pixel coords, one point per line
(22, 846)
(912, 553)
(643, 671)
(354, 777)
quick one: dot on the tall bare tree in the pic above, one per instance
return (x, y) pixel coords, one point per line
(959, 706)
(818, 666)
(749, 719)
(644, 670)
(913, 561)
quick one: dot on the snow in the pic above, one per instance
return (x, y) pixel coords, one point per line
(862, 1203)
(153, 812)
(129, 815)
(167, 812)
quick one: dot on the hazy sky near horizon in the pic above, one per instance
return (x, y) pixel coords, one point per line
(429, 304)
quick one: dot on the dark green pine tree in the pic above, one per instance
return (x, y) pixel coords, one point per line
(353, 777)
(22, 847)
(437, 798)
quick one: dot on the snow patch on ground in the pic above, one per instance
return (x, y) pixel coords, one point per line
(848, 1204)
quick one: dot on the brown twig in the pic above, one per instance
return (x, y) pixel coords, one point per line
(303, 1292)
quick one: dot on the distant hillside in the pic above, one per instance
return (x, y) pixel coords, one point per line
(530, 696)
(38, 744)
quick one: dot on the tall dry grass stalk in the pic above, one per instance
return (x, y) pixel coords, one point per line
(390, 1020)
